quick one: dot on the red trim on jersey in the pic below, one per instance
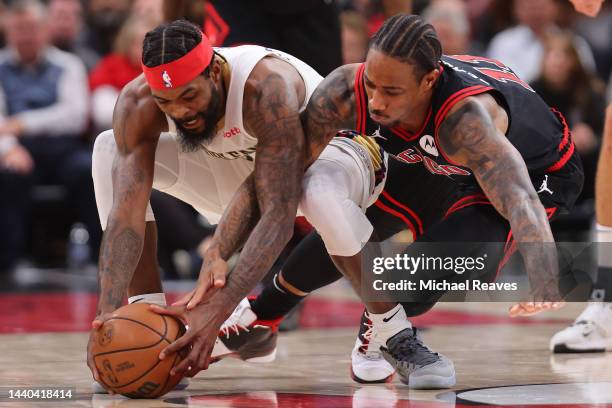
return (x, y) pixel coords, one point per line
(562, 161)
(406, 135)
(406, 208)
(563, 144)
(566, 130)
(454, 98)
(360, 100)
(448, 105)
(465, 202)
(398, 215)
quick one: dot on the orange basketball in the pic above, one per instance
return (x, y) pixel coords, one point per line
(126, 352)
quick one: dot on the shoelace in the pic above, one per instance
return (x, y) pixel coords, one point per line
(233, 324)
(367, 335)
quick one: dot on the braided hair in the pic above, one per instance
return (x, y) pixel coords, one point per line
(169, 42)
(409, 39)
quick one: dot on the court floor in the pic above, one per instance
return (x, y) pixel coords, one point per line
(499, 361)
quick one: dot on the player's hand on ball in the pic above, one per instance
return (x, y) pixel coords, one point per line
(212, 276)
(96, 324)
(531, 308)
(203, 323)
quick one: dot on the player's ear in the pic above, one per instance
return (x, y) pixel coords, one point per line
(215, 70)
(430, 78)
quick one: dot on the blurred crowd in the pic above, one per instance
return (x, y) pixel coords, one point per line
(64, 62)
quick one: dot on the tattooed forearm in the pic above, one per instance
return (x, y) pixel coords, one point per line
(277, 178)
(469, 137)
(119, 255)
(330, 108)
(238, 220)
(124, 236)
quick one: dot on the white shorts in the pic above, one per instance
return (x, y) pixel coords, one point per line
(337, 189)
(206, 183)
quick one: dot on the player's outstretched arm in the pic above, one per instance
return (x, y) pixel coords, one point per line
(136, 127)
(472, 136)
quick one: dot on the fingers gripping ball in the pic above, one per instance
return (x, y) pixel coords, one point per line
(126, 352)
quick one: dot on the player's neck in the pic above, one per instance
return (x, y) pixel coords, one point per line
(414, 121)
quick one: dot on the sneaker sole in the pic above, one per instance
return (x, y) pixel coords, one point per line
(565, 349)
(362, 381)
(430, 382)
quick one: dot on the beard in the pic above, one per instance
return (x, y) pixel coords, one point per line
(191, 140)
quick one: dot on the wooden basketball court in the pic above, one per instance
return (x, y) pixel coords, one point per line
(499, 361)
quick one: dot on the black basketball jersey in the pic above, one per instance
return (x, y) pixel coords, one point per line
(539, 134)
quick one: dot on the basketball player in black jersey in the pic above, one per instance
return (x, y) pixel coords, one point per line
(466, 119)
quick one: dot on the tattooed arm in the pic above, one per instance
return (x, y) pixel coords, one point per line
(472, 135)
(330, 108)
(137, 124)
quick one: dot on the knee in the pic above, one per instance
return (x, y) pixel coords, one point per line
(319, 208)
(104, 151)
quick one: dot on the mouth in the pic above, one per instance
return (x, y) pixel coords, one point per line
(378, 118)
(192, 124)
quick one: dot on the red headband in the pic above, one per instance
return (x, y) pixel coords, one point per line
(179, 72)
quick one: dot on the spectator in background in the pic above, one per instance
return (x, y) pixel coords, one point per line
(521, 47)
(103, 19)
(354, 37)
(43, 113)
(578, 94)
(117, 69)
(450, 19)
(65, 25)
(151, 10)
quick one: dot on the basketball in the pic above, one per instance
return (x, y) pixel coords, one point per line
(126, 352)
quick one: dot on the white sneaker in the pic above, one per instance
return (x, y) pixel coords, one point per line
(590, 333)
(243, 336)
(367, 363)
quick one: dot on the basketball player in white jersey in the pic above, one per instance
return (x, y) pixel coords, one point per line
(208, 126)
(592, 329)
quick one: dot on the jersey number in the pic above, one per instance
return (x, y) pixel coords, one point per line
(502, 73)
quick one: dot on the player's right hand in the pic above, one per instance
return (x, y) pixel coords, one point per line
(96, 325)
(588, 7)
(212, 277)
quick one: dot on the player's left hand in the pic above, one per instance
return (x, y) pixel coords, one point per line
(531, 308)
(212, 277)
(204, 322)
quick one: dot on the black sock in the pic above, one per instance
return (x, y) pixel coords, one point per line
(274, 301)
(602, 289)
(307, 269)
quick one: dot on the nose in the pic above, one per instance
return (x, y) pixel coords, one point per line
(377, 102)
(180, 112)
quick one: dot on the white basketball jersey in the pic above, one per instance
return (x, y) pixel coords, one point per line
(233, 142)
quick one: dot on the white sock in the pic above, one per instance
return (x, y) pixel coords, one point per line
(603, 235)
(152, 298)
(387, 325)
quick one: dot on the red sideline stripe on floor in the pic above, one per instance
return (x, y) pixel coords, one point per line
(35, 313)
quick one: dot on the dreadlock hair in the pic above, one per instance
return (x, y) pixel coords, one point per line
(409, 39)
(169, 42)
